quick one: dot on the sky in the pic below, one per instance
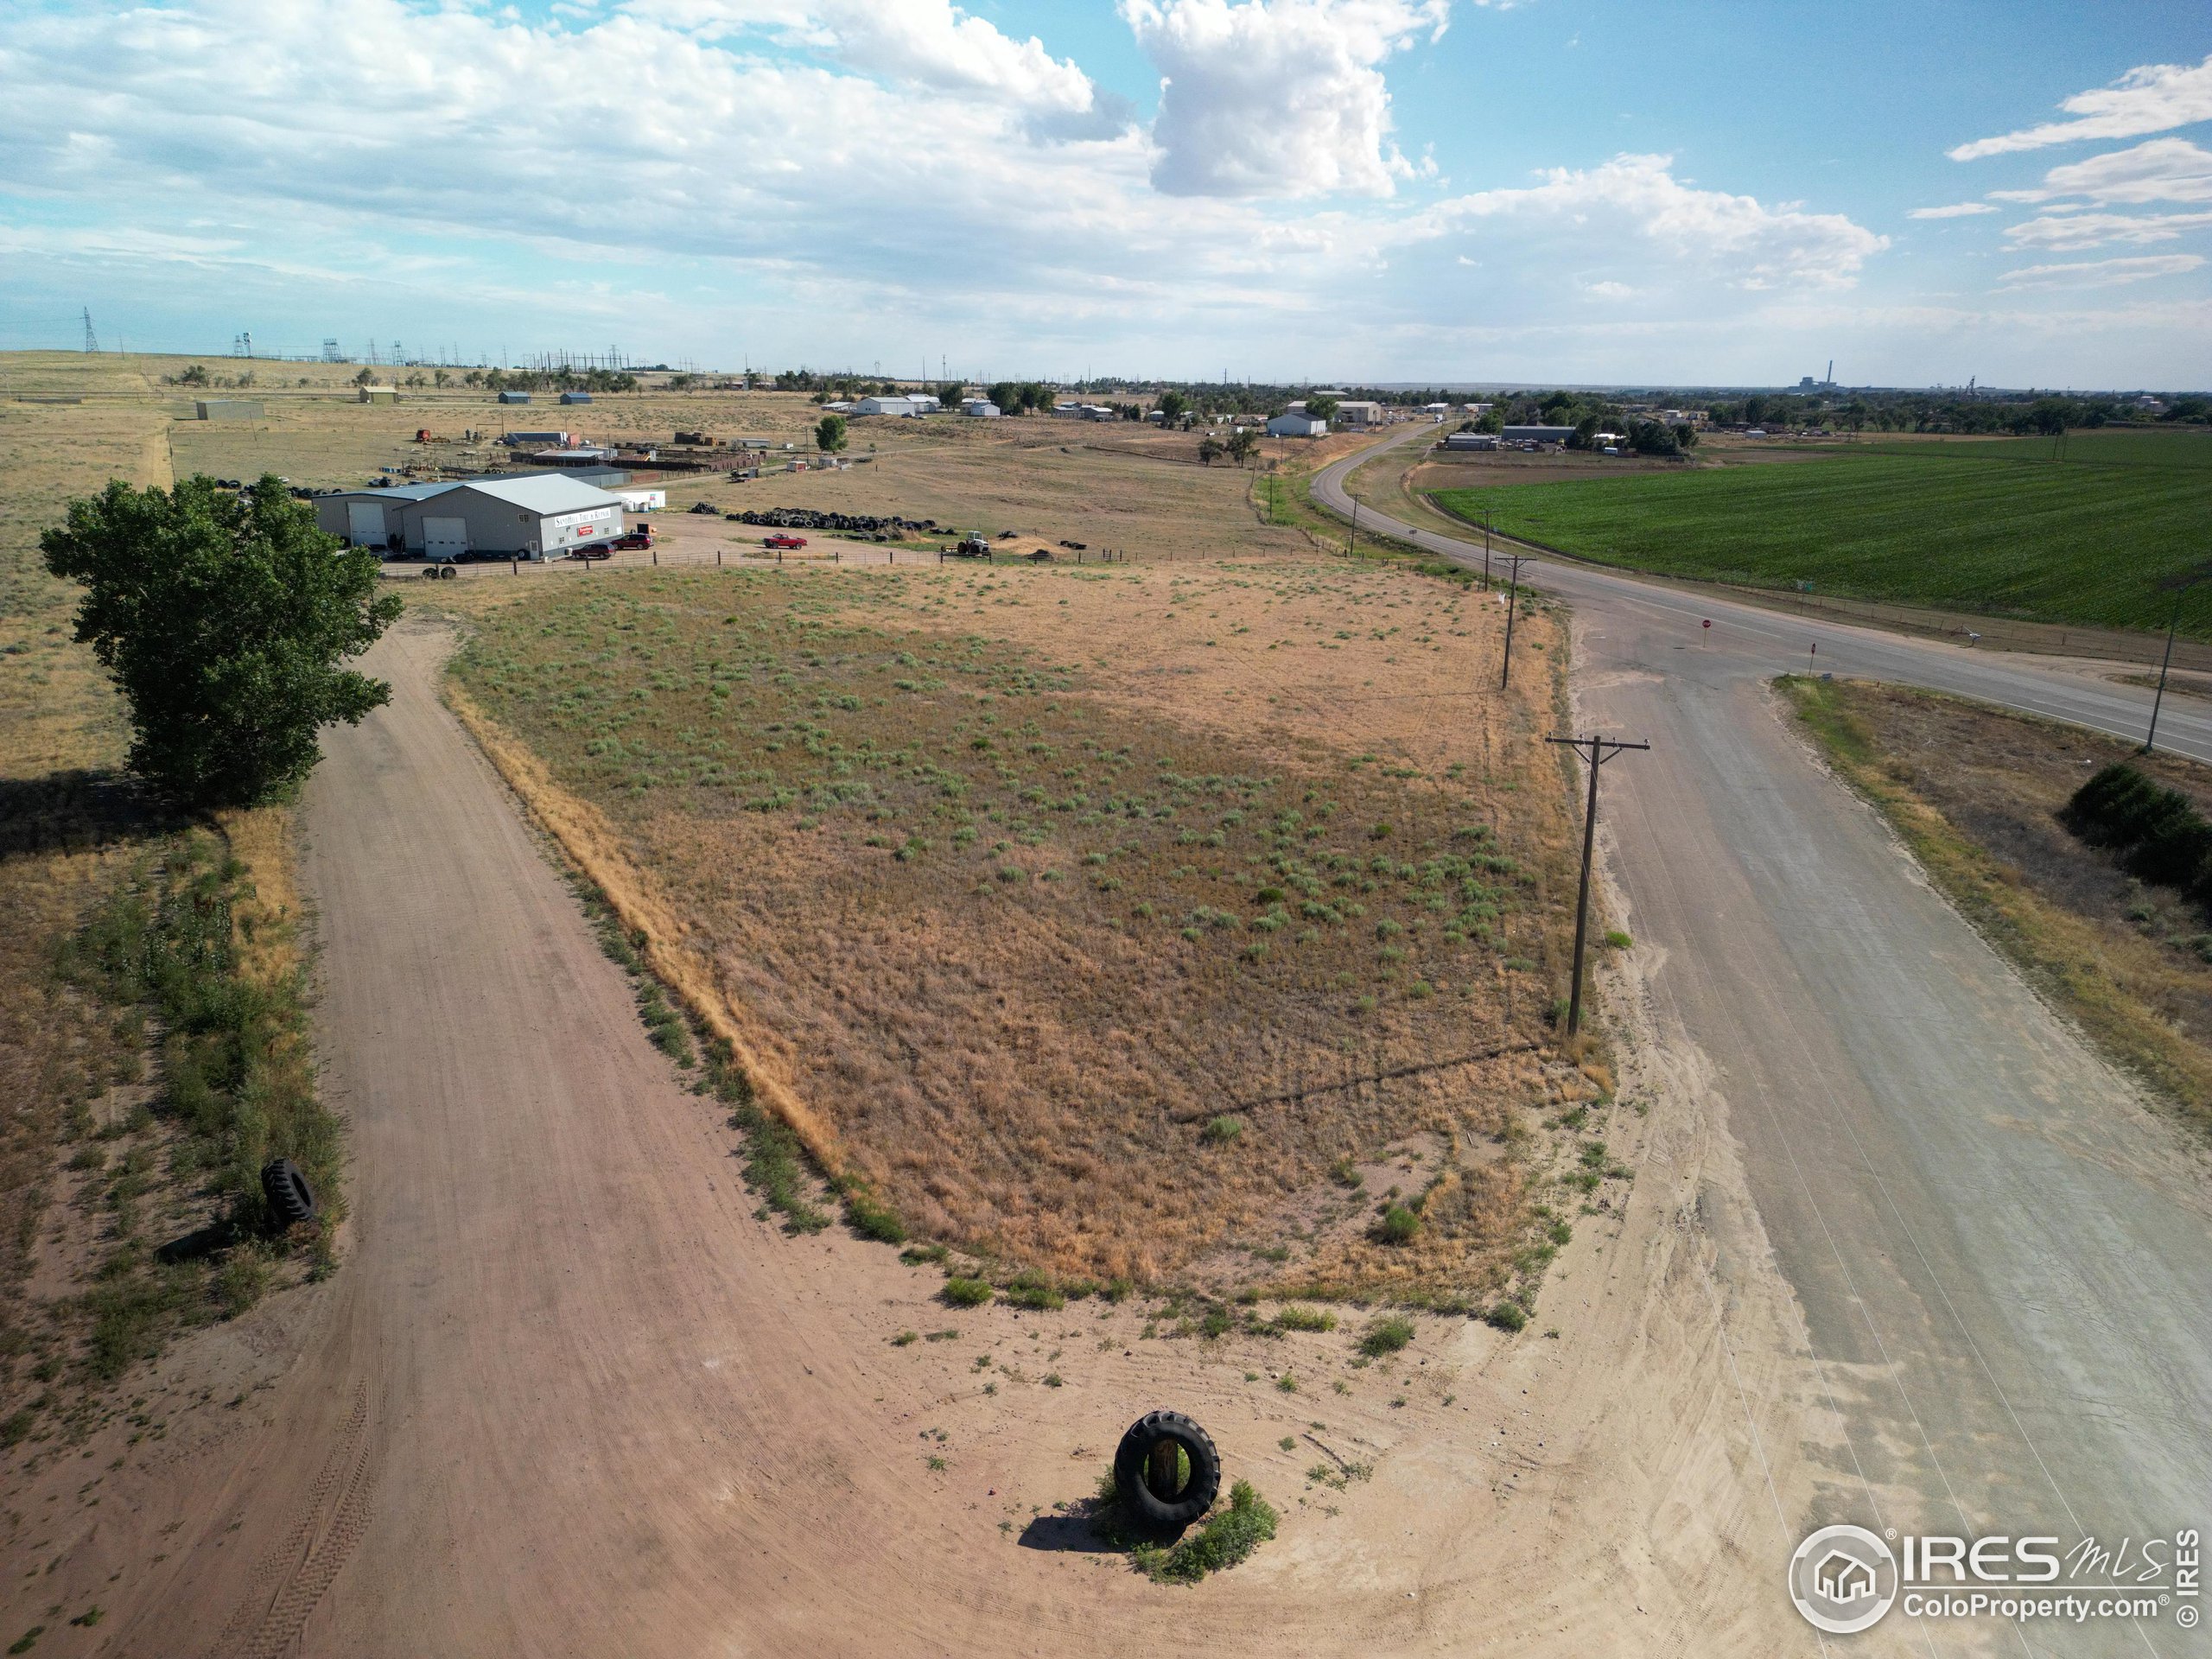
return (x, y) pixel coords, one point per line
(1541, 191)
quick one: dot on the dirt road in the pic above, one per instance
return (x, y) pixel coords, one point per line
(567, 1394)
(2001, 1253)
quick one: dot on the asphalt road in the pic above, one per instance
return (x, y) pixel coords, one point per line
(2001, 1255)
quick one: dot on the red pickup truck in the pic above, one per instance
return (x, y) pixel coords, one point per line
(780, 539)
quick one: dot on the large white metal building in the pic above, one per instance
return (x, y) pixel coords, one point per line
(531, 517)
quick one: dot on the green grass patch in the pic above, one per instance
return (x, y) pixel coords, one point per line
(1223, 1539)
(1997, 528)
(1386, 1335)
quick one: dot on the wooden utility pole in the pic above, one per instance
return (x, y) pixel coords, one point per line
(1595, 751)
(1512, 606)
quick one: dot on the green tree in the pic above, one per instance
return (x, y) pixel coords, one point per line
(1172, 407)
(1241, 442)
(1209, 450)
(830, 434)
(224, 619)
(1322, 409)
(1007, 394)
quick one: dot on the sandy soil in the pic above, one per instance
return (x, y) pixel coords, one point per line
(567, 1395)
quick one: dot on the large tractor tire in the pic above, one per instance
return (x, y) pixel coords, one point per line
(290, 1199)
(1159, 1490)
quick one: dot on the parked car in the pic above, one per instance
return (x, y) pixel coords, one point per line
(781, 540)
(593, 550)
(640, 540)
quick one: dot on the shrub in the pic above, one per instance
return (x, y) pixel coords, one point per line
(2157, 832)
(965, 1292)
(1304, 1319)
(1507, 1316)
(1032, 1289)
(1400, 1225)
(1228, 1536)
(872, 1219)
(1387, 1335)
(1222, 1130)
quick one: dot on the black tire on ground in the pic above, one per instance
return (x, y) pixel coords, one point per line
(451, 572)
(290, 1199)
(1159, 1511)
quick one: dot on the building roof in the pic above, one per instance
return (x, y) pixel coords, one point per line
(402, 492)
(547, 493)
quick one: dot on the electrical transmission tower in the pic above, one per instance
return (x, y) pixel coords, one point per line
(92, 340)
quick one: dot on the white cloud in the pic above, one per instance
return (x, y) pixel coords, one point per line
(2102, 273)
(1636, 199)
(2075, 230)
(1958, 210)
(1276, 98)
(2150, 99)
(2165, 169)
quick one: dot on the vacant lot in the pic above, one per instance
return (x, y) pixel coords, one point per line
(1998, 528)
(1976, 792)
(1107, 919)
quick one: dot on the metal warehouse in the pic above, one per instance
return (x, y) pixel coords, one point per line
(512, 517)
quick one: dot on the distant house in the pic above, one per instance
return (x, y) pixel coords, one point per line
(981, 409)
(925, 403)
(1297, 423)
(902, 408)
(1356, 411)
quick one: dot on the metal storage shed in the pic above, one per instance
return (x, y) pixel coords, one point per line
(370, 517)
(512, 517)
(514, 396)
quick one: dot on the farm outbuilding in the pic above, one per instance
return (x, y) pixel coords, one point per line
(1537, 434)
(575, 397)
(1297, 424)
(379, 394)
(514, 396)
(227, 409)
(1358, 411)
(980, 408)
(898, 406)
(531, 517)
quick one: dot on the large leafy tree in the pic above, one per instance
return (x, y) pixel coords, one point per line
(224, 618)
(830, 434)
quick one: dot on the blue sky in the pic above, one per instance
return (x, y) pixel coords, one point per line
(1332, 189)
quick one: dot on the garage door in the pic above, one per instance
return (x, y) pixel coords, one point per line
(364, 523)
(444, 538)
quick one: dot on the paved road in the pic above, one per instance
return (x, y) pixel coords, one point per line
(2005, 1260)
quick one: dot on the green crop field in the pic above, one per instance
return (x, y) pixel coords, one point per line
(1991, 526)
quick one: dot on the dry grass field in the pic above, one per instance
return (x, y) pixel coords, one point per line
(1123, 922)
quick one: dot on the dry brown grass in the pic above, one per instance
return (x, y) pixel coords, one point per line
(1975, 792)
(1010, 882)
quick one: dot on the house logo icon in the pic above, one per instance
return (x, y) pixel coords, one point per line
(1843, 1579)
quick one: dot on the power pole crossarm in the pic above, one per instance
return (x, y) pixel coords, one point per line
(1595, 752)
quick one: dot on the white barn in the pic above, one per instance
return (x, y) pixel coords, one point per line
(1297, 424)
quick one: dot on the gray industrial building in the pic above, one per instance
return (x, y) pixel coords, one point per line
(1537, 434)
(532, 518)
(514, 396)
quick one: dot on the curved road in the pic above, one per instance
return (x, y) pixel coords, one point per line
(2004, 1258)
